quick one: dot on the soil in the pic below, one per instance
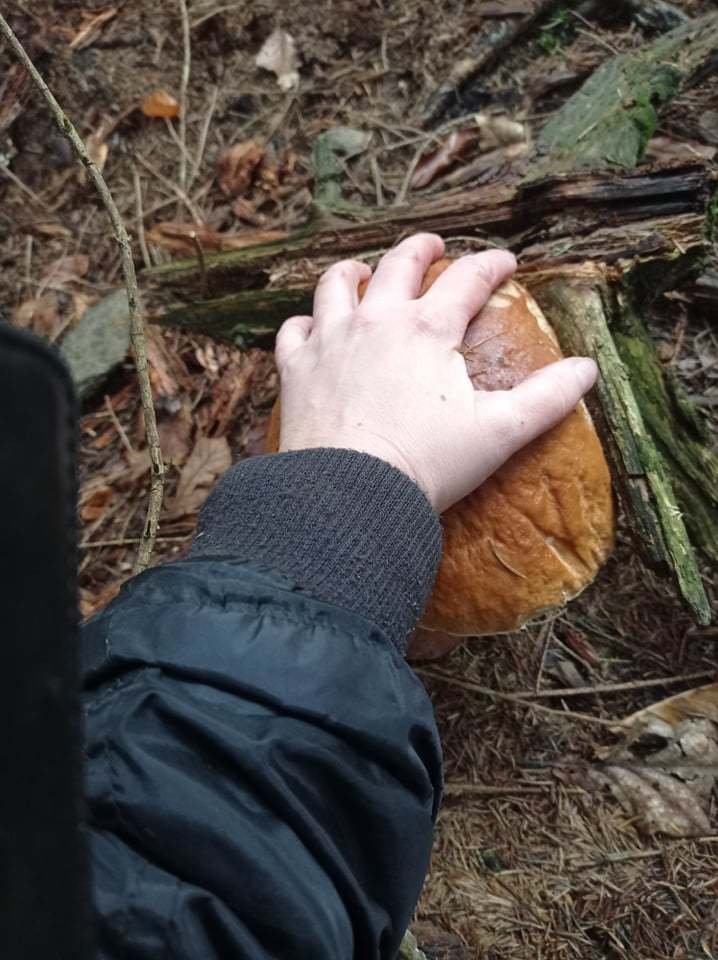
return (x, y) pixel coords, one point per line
(527, 862)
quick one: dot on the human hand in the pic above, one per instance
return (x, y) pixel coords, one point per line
(386, 376)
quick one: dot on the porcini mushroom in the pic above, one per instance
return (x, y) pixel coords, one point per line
(534, 534)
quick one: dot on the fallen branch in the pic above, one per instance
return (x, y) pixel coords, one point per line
(137, 333)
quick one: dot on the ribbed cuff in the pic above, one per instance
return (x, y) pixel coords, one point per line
(344, 526)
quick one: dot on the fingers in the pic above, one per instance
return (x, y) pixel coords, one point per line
(463, 289)
(400, 272)
(512, 419)
(337, 292)
(292, 334)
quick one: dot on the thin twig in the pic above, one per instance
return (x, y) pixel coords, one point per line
(615, 687)
(129, 541)
(513, 698)
(118, 426)
(547, 631)
(142, 240)
(193, 210)
(137, 332)
(203, 137)
(186, 67)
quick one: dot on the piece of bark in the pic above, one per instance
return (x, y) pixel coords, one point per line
(582, 311)
(559, 210)
(610, 120)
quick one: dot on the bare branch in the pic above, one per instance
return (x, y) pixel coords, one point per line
(137, 332)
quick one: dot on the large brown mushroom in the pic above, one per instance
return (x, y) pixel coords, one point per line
(535, 533)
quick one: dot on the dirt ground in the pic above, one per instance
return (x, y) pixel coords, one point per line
(530, 860)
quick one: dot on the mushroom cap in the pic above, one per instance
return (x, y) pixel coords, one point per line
(535, 533)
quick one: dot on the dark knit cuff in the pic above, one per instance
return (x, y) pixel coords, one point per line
(344, 526)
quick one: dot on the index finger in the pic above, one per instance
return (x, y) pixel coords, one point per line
(465, 287)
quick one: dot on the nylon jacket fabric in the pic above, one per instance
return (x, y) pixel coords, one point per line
(262, 772)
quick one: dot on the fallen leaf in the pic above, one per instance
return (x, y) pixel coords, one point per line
(669, 790)
(94, 503)
(665, 772)
(209, 459)
(65, 270)
(160, 103)
(175, 430)
(279, 55)
(90, 30)
(237, 165)
(665, 148)
(41, 315)
(99, 342)
(452, 149)
(184, 237)
(702, 702)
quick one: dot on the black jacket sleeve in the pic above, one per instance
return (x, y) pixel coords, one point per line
(263, 769)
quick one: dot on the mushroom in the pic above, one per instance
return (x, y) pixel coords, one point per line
(534, 534)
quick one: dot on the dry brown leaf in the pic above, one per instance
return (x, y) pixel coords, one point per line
(160, 103)
(184, 237)
(666, 148)
(94, 503)
(65, 270)
(665, 773)
(453, 148)
(279, 55)
(41, 315)
(209, 459)
(237, 165)
(700, 703)
(669, 790)
(175, 430)
(90, 29)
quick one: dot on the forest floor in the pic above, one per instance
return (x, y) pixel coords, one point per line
(533, 859)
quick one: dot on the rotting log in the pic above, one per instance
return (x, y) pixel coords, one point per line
(584, 311)
(568, 217)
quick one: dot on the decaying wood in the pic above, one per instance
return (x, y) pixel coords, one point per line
(562, 218)
(583, 310)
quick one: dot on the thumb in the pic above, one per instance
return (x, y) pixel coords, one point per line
(538, 403)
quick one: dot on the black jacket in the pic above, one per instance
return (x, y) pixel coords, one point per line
(263, 769)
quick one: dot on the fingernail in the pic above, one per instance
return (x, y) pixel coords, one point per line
(585, 371)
